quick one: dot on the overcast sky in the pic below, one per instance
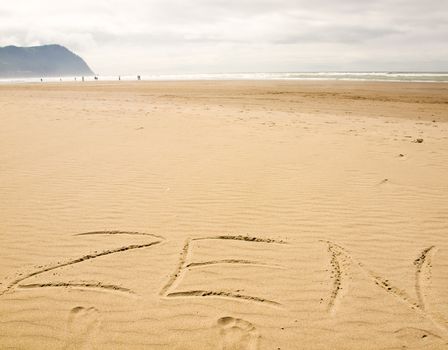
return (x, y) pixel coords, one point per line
(199, 36)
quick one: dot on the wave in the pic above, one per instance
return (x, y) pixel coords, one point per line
(441, 77)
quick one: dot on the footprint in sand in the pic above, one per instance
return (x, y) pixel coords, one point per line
(237, 334)
(82, 328)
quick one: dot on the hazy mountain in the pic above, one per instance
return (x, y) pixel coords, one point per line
(40, 61)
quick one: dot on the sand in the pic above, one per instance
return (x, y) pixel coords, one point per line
(224, 215)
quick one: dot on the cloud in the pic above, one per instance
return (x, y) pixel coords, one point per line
(235, 35)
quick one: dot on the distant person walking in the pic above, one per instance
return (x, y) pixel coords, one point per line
(139, 77)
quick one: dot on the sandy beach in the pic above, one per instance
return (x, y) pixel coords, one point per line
(249, 215)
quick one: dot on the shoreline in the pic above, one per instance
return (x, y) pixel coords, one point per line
(317, 80)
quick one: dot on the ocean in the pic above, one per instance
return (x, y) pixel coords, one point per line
(432, 77)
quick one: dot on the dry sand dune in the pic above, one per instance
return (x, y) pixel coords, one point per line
(224, 215)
